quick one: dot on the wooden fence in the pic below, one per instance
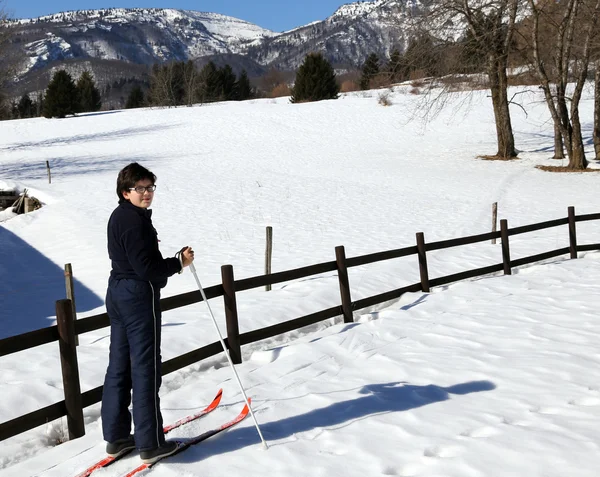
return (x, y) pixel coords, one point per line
(67, 329)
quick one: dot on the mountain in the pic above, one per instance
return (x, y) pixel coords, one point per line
(347, 37)
(118, 41)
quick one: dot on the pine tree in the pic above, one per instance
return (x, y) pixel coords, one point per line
(228, 84)
(244, 87)
(89, 96)
(61, 96)
(315, 80)
(135, 98)
(395, 67)
(209, 83)
(25, 107)
(369, 70)
(177, 83)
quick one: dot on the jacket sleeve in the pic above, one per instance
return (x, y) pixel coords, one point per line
(145, 258)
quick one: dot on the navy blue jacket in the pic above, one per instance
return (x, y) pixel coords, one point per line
(133, 247)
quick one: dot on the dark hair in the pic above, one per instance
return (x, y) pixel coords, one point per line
(131, 174)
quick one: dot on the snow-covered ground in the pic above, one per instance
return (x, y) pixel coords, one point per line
(496, 376)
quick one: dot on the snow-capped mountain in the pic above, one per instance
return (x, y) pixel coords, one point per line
(347, 37)
(143, 36)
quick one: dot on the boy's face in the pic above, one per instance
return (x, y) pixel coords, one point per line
(143, 200)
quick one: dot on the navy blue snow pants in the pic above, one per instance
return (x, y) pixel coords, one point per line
(133, 307)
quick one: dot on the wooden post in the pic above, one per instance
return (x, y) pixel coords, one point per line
(28, 206)
(71, 294)
(269, 254)
(231, 316)
(70, 370)
(572, 233)
(494, 220)
(505, 247)
(49, 175)
(422, 262)
(340, 258)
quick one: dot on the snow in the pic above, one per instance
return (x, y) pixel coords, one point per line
(495, 376)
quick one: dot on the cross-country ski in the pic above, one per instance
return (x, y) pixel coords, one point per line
(105, 462)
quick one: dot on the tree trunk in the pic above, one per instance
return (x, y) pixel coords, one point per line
(597, 110)
(559, 150)
(498, 87)
(577, 160)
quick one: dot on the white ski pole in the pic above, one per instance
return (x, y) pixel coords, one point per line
(193, 269)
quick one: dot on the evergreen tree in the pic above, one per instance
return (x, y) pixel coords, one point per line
(89, 96)
(228, 84)
(369, 70)
(135, 98)
(177, 82)
(25, 107)
(422, 55)
(61, 96)
(395, 67)
(209, 83)
(315, 80)
(244, 87)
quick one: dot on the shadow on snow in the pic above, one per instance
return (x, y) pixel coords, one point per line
(376, 399)
(31, 284)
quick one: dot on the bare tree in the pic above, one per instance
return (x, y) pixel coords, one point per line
(7, 60)
(574, 22)
(190, 75)
(596, 135)
(488, 27)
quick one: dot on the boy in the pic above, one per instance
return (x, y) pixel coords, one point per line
(138, 273)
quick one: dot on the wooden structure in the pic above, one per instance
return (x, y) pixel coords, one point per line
(7, 198)
(67, 329)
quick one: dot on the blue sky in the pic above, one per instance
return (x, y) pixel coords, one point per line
(277, 15)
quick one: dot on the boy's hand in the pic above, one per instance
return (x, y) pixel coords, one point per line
(187, 256)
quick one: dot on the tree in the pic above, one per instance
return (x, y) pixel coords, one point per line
(9, 61)
(61, 96)
(135, 98)
(574, 25)
(228, 83)
(491, 26)
(423, 56)
(315, 80)
(89, 96)
(396, 67)
(244, 88)
(209, 83)
(25, 107)
(596, 135)
(190, 77)
(369, 70)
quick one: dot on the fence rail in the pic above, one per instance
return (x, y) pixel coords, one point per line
(67, 328)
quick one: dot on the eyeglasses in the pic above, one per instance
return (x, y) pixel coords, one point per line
(142, 189)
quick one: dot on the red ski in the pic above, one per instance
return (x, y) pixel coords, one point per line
(109, 460)
(184, 444)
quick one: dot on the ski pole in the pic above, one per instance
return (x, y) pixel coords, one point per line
(193, 269)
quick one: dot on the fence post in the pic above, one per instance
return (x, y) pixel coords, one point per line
(49, 175)
(572, 233)
(505, 247)
(71, 294)
(231, 316)
(269, 254)
(422, 262)
(340, 258)
(494, 220)
(70, 370)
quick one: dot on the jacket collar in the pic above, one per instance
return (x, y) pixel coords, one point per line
(129, 206)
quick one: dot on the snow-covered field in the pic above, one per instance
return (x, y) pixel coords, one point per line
(497, 376)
